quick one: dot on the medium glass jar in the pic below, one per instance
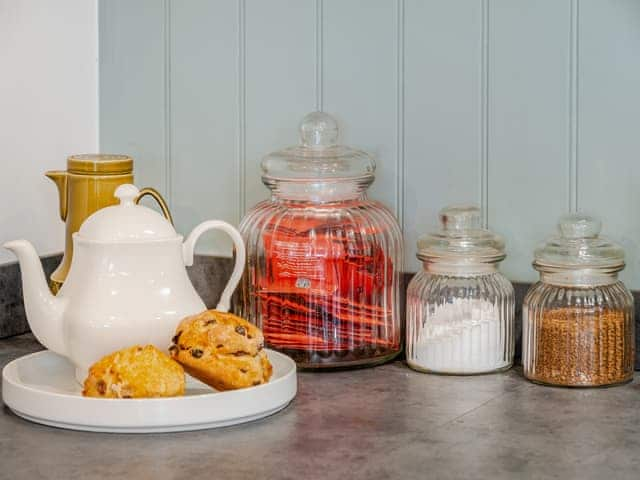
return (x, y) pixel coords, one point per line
(324, 263)
(578, 320)
(460, 308)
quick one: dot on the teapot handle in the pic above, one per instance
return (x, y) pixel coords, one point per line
(152, 192)
(189, 245)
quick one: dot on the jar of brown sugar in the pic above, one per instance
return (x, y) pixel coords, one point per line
(578, 320)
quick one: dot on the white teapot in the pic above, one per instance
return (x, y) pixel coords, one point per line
(127, 283)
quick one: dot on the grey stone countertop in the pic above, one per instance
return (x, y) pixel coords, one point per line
(384, 422)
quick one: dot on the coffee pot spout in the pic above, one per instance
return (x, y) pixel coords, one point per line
(59, 177)
(44, 310)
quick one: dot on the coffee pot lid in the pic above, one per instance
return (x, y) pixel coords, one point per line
(126, 222)
(99, 163)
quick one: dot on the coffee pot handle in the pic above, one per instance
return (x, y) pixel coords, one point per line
(153, 193)
(189, 245)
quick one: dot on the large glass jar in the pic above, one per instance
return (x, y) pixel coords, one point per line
(324, 263)
(460, 308)
(578, 327)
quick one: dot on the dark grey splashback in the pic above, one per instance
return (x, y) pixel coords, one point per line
(12, 317)
(209, 276)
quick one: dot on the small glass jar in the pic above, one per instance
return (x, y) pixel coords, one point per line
(578, 320)
(324, 262)
(460, 308)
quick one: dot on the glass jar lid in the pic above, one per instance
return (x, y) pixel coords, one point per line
(461, 239)
(318, 156)
(579, 246)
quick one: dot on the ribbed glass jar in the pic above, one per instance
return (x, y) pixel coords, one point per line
(324, 263)
(578, 320)
(578, 336)
(460, 308)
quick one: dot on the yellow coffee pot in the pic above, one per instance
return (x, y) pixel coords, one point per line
(86, 186)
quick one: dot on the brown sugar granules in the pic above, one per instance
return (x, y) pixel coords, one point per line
(581, 347)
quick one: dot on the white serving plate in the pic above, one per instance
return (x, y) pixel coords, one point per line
(41, 387)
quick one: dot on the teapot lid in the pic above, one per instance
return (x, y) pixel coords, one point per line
(126, 222)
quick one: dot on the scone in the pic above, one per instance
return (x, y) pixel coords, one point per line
(222, 350)
(135, 372)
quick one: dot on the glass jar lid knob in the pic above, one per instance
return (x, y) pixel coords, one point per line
(460, 217)
(318, 129)
(578, 225)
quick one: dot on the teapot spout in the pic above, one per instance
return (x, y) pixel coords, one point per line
(44, 310)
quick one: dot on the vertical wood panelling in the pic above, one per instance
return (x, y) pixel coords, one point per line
(573, 108)
(168, 135)
(204, 116)
(241, 158)
(280, 80)
(132, 86)
(442, 111)
(400, 136)
(319, 63)
(528, 115)
(484, 114)
(608, 132)
(528, 109)
(359, 79)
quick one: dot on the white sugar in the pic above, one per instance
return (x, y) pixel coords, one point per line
(464, 336)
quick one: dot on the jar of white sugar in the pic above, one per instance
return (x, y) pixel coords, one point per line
(460, 308)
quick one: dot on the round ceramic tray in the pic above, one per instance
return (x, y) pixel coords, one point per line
(41, 387)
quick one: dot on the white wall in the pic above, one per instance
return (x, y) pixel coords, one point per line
(48, 110)
(527, 108)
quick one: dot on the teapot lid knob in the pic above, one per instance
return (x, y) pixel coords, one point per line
(127, 194)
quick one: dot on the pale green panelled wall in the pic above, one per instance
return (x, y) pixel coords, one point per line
(528, 109)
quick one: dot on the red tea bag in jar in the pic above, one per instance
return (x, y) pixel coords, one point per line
(299, 264)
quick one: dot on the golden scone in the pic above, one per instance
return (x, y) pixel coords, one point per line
(222, 350)
(135, 372)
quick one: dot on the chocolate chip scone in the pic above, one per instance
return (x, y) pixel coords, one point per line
(135, 372)
(222, 350)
